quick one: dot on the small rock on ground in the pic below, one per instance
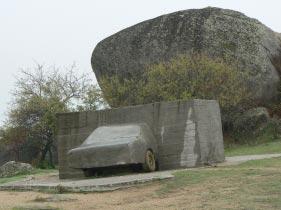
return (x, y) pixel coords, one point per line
(13, 168)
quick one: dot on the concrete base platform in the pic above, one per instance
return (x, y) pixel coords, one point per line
(85, 185)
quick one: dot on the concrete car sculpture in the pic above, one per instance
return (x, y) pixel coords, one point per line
(116, 145)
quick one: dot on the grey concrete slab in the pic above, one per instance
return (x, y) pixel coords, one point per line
(87, 185)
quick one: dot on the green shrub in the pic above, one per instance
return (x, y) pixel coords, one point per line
(183, 77)
(269, 132)
(120, 92)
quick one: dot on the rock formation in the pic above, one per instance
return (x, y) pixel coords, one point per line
(212, 31)
(13, 168)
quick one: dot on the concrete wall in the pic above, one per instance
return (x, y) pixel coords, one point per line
(189, 133)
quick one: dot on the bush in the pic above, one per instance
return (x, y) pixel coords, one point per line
(120, 92)
(268, 132)
(183, 77)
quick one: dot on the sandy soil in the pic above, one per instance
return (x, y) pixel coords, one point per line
(207, 195)
(142, 197)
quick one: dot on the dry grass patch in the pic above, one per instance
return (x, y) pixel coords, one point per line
(251, 185)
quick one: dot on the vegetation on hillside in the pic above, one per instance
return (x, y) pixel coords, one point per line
(183, 77)
(29, 132)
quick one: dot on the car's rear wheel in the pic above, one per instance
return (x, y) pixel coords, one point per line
(150, 162)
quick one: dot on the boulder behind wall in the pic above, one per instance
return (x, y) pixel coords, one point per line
(212, 31)
(13, 168)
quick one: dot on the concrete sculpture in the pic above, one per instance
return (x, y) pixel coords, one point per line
(116, 145)
(187, 133)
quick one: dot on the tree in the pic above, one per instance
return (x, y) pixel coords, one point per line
(13, 137)
(92, 99)
(37, 97)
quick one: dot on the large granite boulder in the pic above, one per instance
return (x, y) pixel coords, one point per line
(212, 31)
(13, 168)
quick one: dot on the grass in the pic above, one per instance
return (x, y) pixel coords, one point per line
(35, 208)
(265, 141)
(11, 179)
(20, 177)
(44, 171)
(53, 198)
(264, 148)
(251, 185)
(260, 164)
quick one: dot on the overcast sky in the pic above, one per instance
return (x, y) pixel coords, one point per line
(60, 32)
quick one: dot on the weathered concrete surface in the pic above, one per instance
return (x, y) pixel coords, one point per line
(213, 31)
(188, 133)
(114, 145)
(87, 185)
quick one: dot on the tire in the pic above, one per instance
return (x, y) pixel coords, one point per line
(150, 163)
